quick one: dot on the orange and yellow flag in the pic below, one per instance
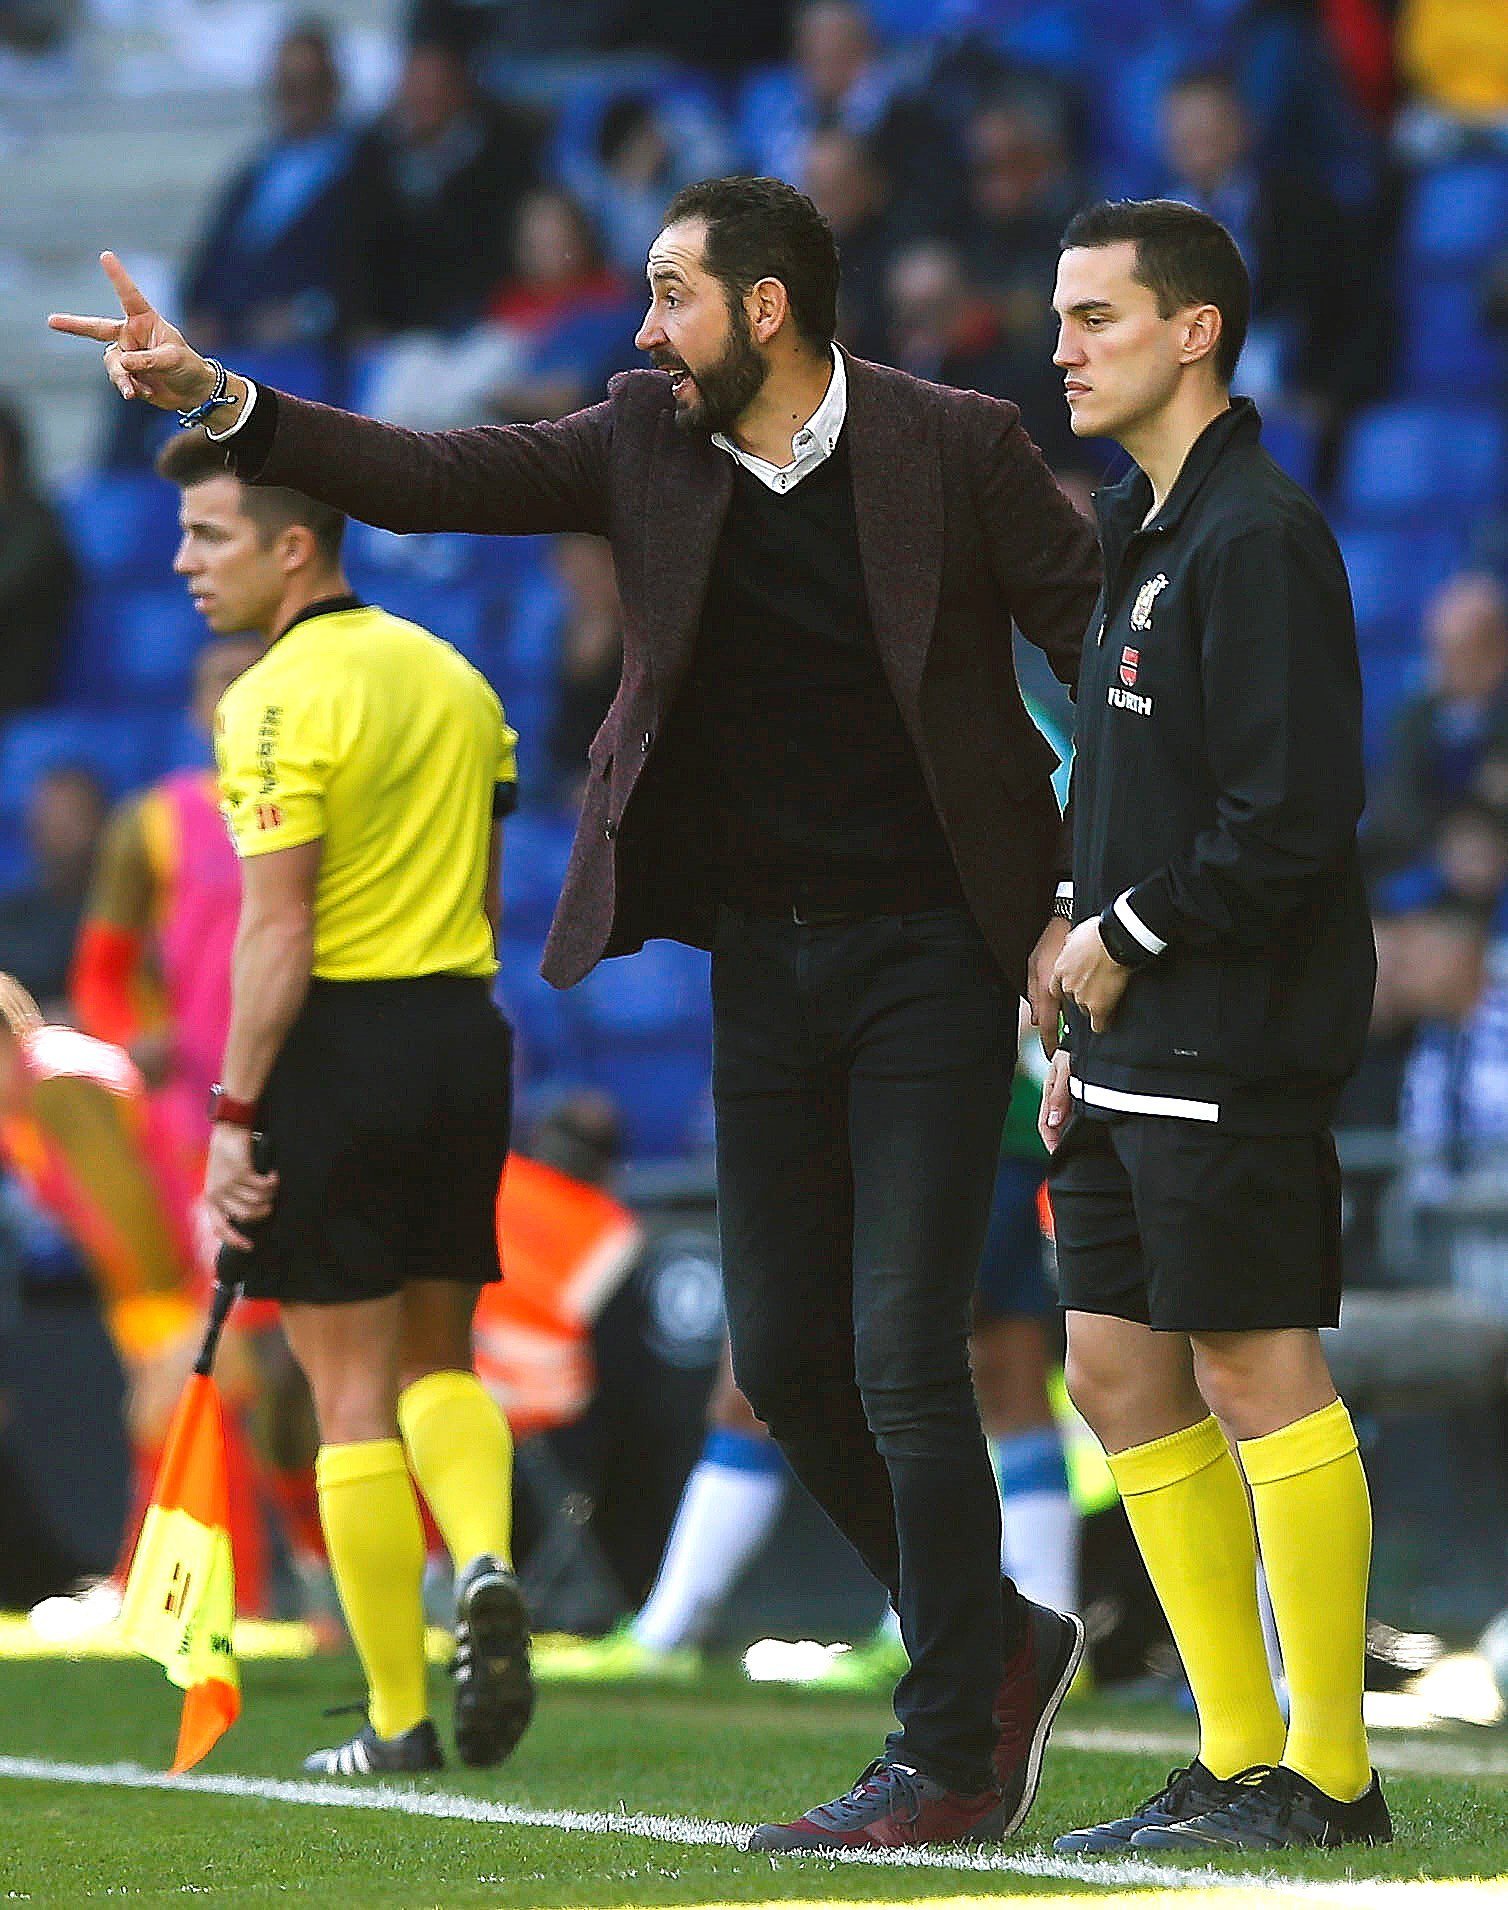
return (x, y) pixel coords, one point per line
(180, 1602)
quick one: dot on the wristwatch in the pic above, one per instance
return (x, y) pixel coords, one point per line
(229, 1112)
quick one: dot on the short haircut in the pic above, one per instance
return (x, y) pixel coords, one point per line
(193, 458)
(1183, 256)
(765, 229)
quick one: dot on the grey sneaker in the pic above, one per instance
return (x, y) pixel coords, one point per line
(1270, 1807)
(494, 1687)
(1189, 1791)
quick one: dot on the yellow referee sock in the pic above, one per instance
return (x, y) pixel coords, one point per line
(1314, 1520)
(1188, 1508)
(461, 1452)
(376, 1546)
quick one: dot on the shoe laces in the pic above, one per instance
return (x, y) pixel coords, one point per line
(1180, 1780)
(877, 1780)
(1260, 1788)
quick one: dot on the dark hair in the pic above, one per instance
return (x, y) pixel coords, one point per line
(1183, 256)
(623, 119)
(193, 458)
(764, 229)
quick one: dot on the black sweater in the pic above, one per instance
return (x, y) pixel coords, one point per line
(785, 765)
(1218, 780)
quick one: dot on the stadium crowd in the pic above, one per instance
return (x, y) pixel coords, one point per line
(474, 253)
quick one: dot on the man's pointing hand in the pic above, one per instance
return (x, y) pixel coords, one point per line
(145, 356)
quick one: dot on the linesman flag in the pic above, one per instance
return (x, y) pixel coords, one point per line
(180, 1602)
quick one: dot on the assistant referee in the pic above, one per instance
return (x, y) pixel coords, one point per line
(364, 769)
(1218, 984)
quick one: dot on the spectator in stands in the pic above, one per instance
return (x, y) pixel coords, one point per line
(556, 328)
(850, 188)
(284, 256)
(459, 164)
(838, 76)
(1447, 734)
(1022, 189)
(37, 575)
(642, 150)
(65, 816)
(590, 651)
(942, 327)
(571, 315)
(1296, 245)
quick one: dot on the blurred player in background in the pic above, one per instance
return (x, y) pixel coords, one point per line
(151, 973)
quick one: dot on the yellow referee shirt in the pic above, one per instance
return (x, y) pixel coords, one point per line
(375, 736)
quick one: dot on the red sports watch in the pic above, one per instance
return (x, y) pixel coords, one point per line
(229, 1112)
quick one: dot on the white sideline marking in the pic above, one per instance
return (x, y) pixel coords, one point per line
(700, 1830)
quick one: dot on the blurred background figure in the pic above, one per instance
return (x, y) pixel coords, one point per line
(1447, 732)
(38, 575)
(843, 175)
(458, 163)
(293, 236)
(589, 644)
(65, 818)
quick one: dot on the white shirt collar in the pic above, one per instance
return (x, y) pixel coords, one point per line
(812, 445)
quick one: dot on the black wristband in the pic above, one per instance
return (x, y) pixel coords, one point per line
(1120, 944)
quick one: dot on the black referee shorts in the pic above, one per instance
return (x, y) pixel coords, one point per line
(387, 1118)
(1191, 1229)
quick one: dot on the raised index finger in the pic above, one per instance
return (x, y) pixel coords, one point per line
(132, 303)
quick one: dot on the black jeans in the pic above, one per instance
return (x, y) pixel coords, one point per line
(861, 1072)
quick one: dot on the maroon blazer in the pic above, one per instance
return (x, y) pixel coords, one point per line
(961, 532)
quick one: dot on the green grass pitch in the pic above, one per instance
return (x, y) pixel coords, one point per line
(721, 1752)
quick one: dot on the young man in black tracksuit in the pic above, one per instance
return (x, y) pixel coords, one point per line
(1216, 983)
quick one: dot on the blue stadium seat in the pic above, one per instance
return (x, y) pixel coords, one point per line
(524, 651)
(122, 524)
(546, 1023)
(1292, 443)
(536, 848)
(137, 643)
(440, 557)
(307, 371)
(1446, 347)
(1390, 672)
(530, 712)
(117, 746)
(657, 996)
(1406, 462)
(661, 1093)
(1395, 572)
(1457, 216)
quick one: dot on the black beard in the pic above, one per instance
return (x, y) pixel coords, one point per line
(726, 389)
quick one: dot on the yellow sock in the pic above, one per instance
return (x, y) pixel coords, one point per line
(461, 1452)
(1314, 1520)
(376, 1546)
(1188, 1508)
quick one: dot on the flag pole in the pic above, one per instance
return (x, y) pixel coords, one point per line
(226, 1294)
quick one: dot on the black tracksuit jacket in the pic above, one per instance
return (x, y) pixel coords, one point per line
(1216, 792)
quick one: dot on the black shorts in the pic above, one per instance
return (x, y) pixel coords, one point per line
(1189, 1229)
(387, 1118)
